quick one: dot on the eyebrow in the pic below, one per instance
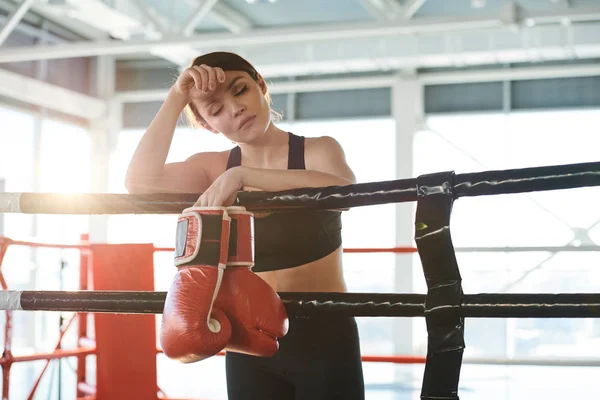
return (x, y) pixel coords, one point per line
(233, 82)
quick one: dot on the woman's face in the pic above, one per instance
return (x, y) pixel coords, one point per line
(237, 108)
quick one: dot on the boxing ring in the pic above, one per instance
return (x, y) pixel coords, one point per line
(444, 306)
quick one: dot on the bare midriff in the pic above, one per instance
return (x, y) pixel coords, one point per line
(323, 275)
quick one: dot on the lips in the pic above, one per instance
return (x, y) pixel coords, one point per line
(246, 122)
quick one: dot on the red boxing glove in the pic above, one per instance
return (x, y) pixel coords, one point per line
(192, 327)
(257, 314)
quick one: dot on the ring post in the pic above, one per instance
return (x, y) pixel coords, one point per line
(445, 324)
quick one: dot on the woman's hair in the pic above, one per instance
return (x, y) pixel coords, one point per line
(227, 62)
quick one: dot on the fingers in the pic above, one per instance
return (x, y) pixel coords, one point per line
(211, 77)
(202, 201)
(210, 83)
(220, 75)
(229, 202)
(210, 199)
(202, 77)
(196, 76)
(204, 81)
(221, 193)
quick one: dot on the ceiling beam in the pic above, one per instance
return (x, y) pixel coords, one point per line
(202, 11)
(52, 12)
(412, 7)
(14, 19)
(262, 37)
(372, 7)
(178, 55)
(34, 32)
(510, 74)
(382, 9)
(231, 19)
(150, 14)
(42, 94)
(30, 25)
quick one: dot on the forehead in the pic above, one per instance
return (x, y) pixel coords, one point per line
(233, 74)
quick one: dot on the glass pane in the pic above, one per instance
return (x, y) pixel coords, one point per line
(471, 143)
(16, 170)
(65, 158)
(556, 138)
(64, 168)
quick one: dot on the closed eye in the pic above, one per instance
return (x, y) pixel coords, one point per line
(242, 90)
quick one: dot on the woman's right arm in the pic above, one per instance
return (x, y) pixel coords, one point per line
(148, 171)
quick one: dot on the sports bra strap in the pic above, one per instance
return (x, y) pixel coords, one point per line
(295, 154)
(235, 157)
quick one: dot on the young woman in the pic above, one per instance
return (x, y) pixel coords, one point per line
(294, 252)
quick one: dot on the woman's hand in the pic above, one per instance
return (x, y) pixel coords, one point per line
(202, 77)
(223, 190)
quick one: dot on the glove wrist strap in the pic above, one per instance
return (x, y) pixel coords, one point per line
(202, 237)
(241, 239)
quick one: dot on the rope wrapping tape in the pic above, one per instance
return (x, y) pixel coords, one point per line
(445, 324)
(10, 300)
(10, 202)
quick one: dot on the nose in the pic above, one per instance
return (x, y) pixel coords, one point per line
(238, 109)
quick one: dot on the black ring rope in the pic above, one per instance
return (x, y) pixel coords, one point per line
(300, 304)
(332, 197)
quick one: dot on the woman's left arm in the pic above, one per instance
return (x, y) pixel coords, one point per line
(325, 166)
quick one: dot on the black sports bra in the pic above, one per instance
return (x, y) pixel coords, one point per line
(289, 239)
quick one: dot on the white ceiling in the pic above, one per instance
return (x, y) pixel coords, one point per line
(315, 37)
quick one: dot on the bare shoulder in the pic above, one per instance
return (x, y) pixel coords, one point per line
(213, 163)
(318, 147)
(322, 142)
(325, 154)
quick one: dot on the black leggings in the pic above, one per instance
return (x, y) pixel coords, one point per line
(319, 359)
